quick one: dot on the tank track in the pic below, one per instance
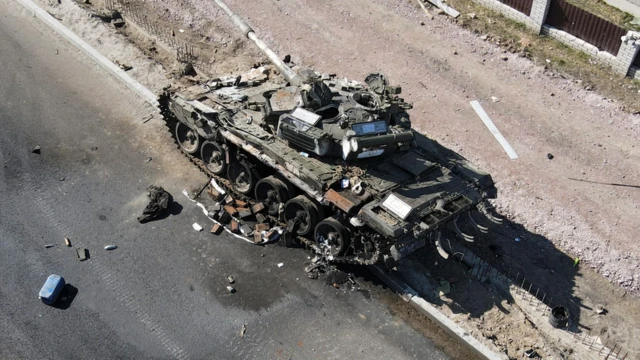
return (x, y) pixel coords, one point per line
(170, 123)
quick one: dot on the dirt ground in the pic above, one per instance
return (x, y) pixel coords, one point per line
(442, 67)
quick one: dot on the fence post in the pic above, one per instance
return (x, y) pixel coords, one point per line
(539, 11)
(627, 53)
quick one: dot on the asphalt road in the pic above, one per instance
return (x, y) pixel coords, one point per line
(162, 294)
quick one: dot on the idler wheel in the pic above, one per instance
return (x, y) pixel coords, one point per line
(304, 212)
(214, 157)
(241, 175)
(271, 192)
(332, 234)
(188, 139)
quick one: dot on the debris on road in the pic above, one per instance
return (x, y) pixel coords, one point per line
(36, 150)
(216, 229)
(196, 227)
(235, 226)
(443, 289)
(159, 202)
(550, 156)
(444, 8)
(49, 246)
(67, 241)
(51, 289)
(124, 67)
(246, 230)
(148, 159)
(426, 12)
(110, 247)
(243, 330)
(83, 254)
(231, 289)
(495, 99)
(230, 279)
(280, 265)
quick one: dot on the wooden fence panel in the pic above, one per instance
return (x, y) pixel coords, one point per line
(586, 26)
(524, 6)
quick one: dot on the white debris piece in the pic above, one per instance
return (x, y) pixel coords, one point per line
(110, 247)
(197, 227)
(280, 265)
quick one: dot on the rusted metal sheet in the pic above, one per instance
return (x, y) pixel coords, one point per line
(524, 6)
(586, 26)
(338, 200)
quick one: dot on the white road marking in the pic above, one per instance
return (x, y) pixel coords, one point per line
(494, 130)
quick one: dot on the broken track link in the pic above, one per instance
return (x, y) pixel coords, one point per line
(171, 122)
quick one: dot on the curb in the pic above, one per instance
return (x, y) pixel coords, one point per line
(411, 296)
(146, 94)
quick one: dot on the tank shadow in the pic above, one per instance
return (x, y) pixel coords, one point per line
(467, 281)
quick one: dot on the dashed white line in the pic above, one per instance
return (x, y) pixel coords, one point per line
(494, 130)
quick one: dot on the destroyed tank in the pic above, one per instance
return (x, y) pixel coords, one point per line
(334, 161)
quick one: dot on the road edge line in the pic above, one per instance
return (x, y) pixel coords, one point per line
(92, 53)
(411, 296)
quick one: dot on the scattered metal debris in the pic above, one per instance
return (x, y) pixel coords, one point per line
(196, 227)
(243, 330)
(36, 150)
(83, 254)
(49, 246)
(148, 159)
(230, 279)
(159, 202)
(231, 289)
(67, 241)
(280, 265)
(110, 247)
(605, 183)
(446, 8)
(558, 317)
(425, 10)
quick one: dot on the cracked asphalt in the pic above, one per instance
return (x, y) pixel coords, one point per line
(162, 294)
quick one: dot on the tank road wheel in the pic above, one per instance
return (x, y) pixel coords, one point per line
(241, 176)
(187, 138)
(271, 192)
(330, 232)
(304, 211)
(214, 156)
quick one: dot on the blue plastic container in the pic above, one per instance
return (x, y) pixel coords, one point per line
(51, 289)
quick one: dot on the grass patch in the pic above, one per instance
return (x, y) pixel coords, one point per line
(563, 60)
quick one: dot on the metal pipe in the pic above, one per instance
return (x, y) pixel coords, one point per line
(247, 31)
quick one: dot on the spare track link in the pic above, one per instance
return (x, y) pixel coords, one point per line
(170, 121)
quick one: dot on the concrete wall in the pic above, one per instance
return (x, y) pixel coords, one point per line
(621, 62)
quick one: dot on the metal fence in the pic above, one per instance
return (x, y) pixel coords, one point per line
(540, 301)
(585, 25)
(135, 13)
(524, 6)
